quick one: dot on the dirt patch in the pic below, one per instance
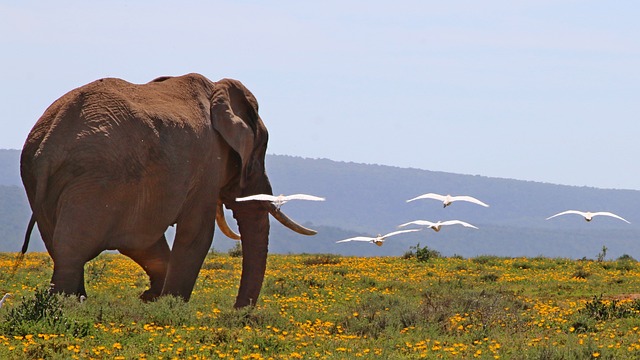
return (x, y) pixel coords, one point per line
(626, 297)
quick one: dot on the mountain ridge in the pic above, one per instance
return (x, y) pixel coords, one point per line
(367, 199)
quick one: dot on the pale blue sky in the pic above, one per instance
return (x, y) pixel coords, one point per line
(533, 90)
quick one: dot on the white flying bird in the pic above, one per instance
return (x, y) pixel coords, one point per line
(280, 199)
(589, 215)
(448, 199)
(378, 240)
(4, 298)
(437, 225)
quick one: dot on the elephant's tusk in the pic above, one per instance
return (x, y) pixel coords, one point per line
(222, 224)
(286, 221)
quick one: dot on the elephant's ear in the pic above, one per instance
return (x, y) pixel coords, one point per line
(233, 116)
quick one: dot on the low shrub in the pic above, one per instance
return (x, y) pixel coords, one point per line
(236, 251)
(322, 259)
(40, 313)
(422, 254)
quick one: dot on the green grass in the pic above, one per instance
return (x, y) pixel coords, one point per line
(333, 307)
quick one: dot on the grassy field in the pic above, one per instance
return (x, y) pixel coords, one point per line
(332, 307)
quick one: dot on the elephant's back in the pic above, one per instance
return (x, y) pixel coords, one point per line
(115, 129)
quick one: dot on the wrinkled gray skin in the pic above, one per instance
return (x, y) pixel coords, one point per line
(111, 165)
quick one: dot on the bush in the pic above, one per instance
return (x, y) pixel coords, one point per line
(213, 265)
(490, 277)
(422, 253)
(581, 273)
(489, 260)
(236, 251)
(322, 259)
(408, 255)
(523, 265)
(627, 257)
(604, 310)
(40, 314)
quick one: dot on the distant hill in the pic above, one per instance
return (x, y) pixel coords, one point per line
(370, 199)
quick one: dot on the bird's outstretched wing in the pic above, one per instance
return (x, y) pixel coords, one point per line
(303, 197)
(469, 199)
(606, 213)
(357, 238)
(418, 222)
(262, 197)
(398, 232)
(428, 196)
(457, 222)
(568, 212)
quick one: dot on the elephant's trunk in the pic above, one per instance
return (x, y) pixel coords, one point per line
(253, 223)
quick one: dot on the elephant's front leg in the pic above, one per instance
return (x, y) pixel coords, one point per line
(191, 245)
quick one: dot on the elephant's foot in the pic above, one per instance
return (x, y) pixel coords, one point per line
(154, 261)
(149, 296)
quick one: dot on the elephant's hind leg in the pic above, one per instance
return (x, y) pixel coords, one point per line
(154, 260)
(68, 277)
(69, 257)
(68, 267)
(81, 231)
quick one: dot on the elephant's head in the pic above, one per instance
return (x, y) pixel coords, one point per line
(234, 114)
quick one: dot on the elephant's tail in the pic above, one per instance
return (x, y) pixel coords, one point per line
(25, 245)
(27, 235)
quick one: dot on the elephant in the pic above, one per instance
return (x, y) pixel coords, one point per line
(111, 165)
